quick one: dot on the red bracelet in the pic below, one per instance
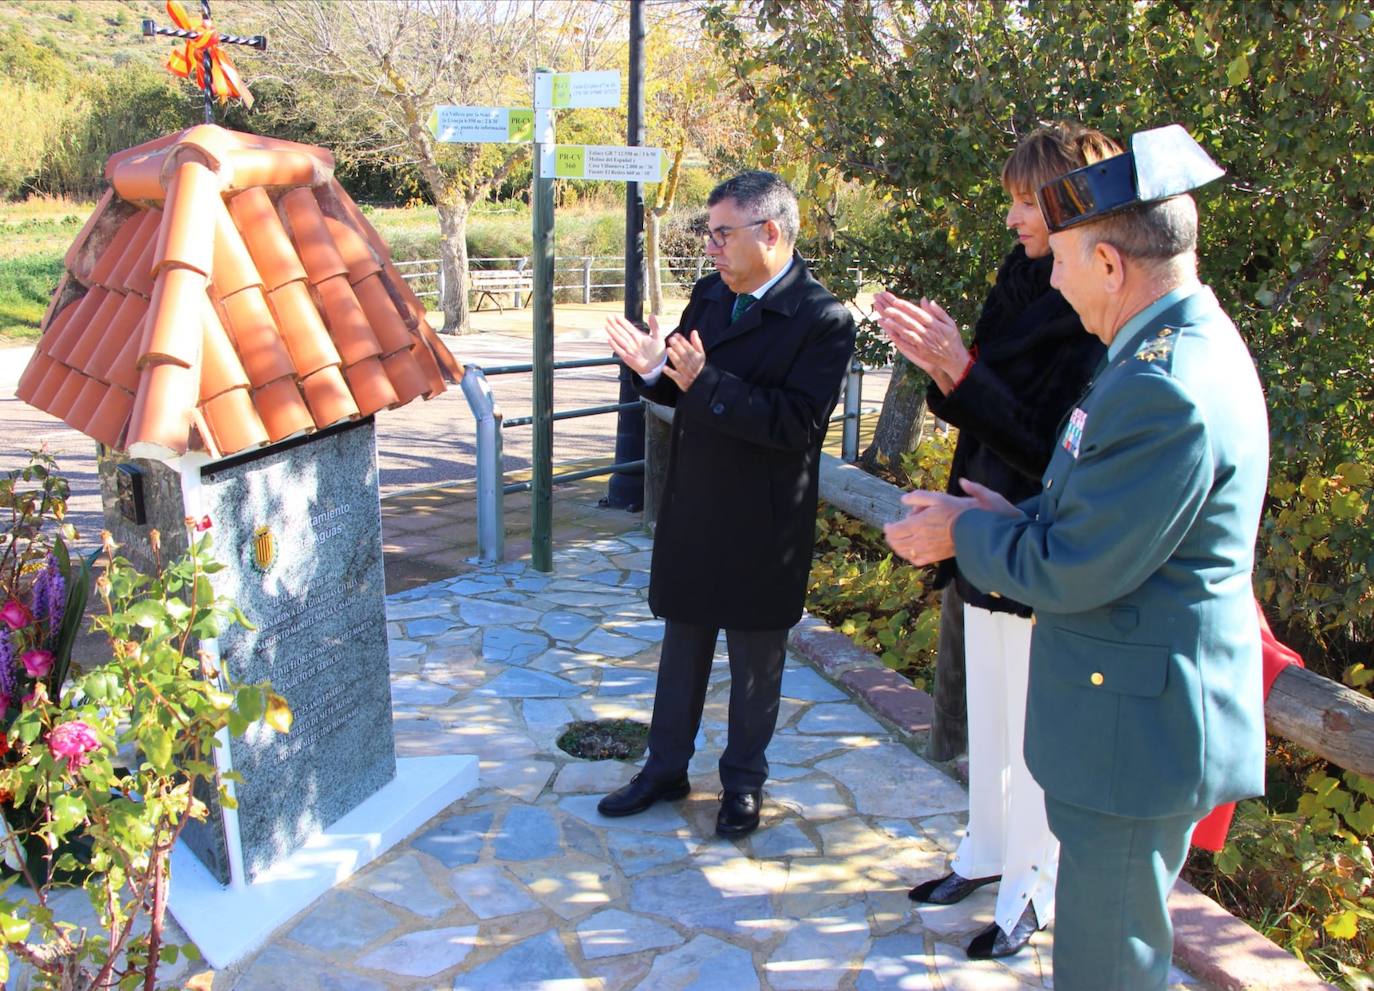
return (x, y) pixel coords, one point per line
(973, 357)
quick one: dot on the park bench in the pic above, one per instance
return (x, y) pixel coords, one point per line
(489, 283)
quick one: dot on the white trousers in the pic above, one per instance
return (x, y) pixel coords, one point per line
(1007, 831)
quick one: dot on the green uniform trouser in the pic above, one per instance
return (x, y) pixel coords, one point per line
(1112, 930)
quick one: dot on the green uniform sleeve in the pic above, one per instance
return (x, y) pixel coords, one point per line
(1141, 478)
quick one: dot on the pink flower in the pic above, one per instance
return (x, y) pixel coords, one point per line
(16, 615)
(71, 742)
(37, 662)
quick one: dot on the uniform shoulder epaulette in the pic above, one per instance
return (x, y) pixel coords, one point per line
(1159, 347)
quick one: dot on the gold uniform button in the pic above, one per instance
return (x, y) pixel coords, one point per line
(1049, 484)
(1097, 678)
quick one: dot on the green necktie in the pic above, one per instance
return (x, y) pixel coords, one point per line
(742, 303)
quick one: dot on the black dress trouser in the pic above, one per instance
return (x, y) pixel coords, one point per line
(684, 669)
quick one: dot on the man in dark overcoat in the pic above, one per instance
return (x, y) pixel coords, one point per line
(753, 371)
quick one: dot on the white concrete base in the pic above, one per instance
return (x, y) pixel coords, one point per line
(227, 924)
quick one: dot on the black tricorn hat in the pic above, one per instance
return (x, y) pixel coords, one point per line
(1162, 162)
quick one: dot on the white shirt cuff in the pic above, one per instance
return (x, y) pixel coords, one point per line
(651, 377)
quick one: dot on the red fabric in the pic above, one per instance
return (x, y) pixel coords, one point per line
(1210, 833)
(972, 360)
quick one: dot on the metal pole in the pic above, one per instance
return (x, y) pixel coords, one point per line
(209, 78)
(541, 497)
(491, 524)
(853, 401)
(626, 489)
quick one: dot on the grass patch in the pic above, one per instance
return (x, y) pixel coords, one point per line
(26, 285)
(605, 739)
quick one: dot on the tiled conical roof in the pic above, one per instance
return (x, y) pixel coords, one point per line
(227, 294)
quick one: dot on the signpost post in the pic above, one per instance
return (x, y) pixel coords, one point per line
(552, 90)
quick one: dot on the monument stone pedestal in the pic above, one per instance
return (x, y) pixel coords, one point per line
(297, 527)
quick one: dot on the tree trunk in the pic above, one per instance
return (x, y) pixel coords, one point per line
(653, 224)
(651, 260)
(903, 415)
(453, 258)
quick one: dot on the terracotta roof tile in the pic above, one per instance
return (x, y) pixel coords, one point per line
(57, 327)
(249, 321)
(125, 266)
(184, 238)
(33, 377)
(141, 279)
(84, 346)
(75, 328)
(348, 324)
(220, 366)
(391, 331)
(72, 384)
(283, 409)
(112, 255)
(299, 322)
(43, 392)
(124, 325)
(233, 268)
(354, 250)
(124, 371)
(237, 297)
(328, 397)
(161, 418)
(172, 331)
(107, 426)
(310, 235)
(272, 251)
(370, 386)
(78, 258)
(233, 421)
(405, 374)
(87, 401)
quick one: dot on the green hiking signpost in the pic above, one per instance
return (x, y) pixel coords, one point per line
(562, 91)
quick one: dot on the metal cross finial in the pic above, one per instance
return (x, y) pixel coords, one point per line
(202, 58)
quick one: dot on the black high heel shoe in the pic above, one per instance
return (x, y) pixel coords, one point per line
(992, 942)
(949, 889)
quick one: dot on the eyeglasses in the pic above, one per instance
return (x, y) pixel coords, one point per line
(717, 235)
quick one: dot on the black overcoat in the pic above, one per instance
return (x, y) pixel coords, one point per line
(737, 524)
(1034, 360)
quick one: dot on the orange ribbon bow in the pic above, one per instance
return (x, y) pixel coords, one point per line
(222, 72)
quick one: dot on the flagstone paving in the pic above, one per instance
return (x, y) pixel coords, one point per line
(523, 885)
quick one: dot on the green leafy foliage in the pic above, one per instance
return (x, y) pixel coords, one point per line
(918, 104)
(110, 762)
(882, 603)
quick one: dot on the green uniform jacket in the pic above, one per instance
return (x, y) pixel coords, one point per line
(1145, 696)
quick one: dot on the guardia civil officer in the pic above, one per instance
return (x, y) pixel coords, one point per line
(1144, 706)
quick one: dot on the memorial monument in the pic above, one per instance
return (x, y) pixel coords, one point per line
(227, 326)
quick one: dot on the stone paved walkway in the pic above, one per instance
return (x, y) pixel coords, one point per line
(522, 885)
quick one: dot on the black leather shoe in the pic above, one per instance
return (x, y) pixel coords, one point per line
(948, 889)
(641, 793)
(739, 813)
(992, 942)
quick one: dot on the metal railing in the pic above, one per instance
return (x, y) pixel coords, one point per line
(491, 485)
(577, 277)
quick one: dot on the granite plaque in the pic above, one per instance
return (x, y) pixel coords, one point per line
(298, 529)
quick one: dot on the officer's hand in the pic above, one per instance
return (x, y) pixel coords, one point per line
(641, 352)
(985, 498)
(926, 534)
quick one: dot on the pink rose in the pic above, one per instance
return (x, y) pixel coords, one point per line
(37, 662)
(16, 615)
(71, 742)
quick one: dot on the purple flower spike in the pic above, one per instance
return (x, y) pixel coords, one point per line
(7, 673)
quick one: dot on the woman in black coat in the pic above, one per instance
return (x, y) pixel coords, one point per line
(1029, 360)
